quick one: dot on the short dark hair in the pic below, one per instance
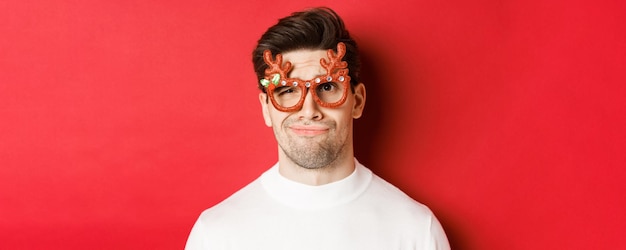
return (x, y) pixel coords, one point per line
(316, 28)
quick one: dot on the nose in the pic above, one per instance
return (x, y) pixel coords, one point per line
(310, 109)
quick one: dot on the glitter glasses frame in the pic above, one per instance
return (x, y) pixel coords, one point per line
(336, 71)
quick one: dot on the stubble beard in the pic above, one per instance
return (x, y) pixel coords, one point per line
(312, 152)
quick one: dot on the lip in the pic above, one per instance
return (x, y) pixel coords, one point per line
(308, 130)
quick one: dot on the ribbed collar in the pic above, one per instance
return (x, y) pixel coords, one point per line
(307, 197)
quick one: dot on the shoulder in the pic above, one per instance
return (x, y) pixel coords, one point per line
(386, 199)
(395, 206)
(221, 220)
(239, 203)
(225, 219)
(389, 194)
(408, 218)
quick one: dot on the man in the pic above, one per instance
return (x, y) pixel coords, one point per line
(318, 196)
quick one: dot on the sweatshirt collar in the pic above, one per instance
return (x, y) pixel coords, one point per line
(307, 197)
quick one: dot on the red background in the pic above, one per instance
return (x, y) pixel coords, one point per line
(122, 120)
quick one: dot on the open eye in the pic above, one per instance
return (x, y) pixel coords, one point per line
(326, 87)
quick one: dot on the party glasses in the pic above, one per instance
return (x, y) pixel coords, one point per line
(288, 94)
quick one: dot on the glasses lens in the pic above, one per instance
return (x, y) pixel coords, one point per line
(330, 92)
(287, 96)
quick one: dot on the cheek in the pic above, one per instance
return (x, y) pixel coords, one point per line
(346, 125)
(343, 120)
(278, 118)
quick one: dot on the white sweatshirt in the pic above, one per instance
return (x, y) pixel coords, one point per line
(360, 212)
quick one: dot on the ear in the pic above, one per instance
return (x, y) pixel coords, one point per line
(359, 101)
(265, 109)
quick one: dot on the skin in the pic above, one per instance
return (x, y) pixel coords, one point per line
(315, 143)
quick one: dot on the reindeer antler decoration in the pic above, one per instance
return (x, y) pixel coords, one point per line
(335, 60)
(275, 69)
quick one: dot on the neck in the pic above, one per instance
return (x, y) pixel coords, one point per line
(341, 168)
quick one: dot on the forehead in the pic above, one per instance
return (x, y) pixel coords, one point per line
(306, 63)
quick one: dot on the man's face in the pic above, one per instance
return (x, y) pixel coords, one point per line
(313, 137)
